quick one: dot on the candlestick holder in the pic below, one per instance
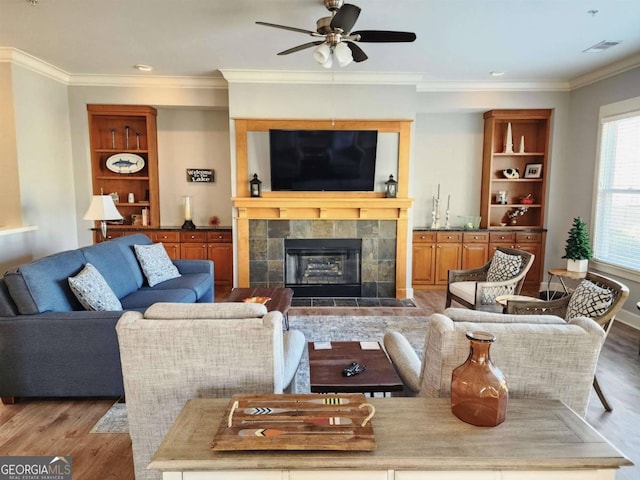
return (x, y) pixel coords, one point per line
(447, 226)
(188, 222)
(435, 214)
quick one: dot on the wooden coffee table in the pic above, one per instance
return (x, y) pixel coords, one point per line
(280, 299)
(325, 369)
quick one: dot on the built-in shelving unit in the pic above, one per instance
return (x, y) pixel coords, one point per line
(109, 126)
(531, 127)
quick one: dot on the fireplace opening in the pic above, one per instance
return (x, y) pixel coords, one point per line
(327, 267)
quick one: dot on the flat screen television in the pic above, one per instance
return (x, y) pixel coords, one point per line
(323, 160)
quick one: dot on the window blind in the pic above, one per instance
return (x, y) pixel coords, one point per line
(617, 219)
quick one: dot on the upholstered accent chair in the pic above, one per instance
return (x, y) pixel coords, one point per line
(599, 298)
(175, 352)
(544, 358)
(478, 288)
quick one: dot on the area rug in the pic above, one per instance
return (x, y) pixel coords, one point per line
(320, 328)
(114, 421)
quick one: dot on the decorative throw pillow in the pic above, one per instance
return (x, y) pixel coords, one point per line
(93, 291)
(155, 263)
(588, 300)
(503, 267)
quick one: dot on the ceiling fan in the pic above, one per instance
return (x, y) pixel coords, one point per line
(337, 39)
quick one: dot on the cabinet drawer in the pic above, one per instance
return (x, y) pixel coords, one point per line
(449, 237)
(502, 237)
(424, 237)
(200, 237)
(528, 237)
(475, 237)
(165, 237)
(224, 237)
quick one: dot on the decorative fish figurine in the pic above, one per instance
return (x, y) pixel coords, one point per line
(124, 163)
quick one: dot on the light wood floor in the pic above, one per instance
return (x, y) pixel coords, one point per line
(61, 427)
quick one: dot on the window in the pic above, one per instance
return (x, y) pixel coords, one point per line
(617, 196)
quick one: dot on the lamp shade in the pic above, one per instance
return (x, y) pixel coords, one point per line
(343, 54)
(322, 55)
(102, 208)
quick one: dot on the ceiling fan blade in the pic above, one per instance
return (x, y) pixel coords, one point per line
(381, 36)
(346, 17)
(301, 47)
(357, 52)
(293, 29)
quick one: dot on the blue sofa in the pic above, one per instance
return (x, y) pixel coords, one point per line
(50, 346)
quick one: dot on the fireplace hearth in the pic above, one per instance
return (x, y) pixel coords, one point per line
(327, 267)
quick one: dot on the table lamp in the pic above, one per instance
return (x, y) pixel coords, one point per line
(102, 209)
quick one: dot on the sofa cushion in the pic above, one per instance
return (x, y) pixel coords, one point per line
(109, 259)
(588, 300)
(42, 286)
(200, 283)
(7, 305)
(155, 263)
(221, 310)
(503, 267)
(93, 291)
(145, 297)
(126, 244)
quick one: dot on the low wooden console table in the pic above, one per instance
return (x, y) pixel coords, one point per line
(416, 438)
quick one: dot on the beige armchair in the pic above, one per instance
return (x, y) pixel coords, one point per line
(619, 293)
(478, 288)
(175, 352)
(539, 360)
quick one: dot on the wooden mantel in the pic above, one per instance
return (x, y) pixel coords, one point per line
(323, 205)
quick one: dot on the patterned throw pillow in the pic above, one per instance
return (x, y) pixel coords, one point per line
(155, 263)
(503, 267)
(93, 291)
(588, 300)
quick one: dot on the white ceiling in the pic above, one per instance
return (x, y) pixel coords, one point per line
(457, 40)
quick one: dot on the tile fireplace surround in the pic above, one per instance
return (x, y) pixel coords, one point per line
(266, 250)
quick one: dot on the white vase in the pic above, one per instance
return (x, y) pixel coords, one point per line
(577, 265)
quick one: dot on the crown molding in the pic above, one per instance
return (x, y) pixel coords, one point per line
(34, 64)
(24, 60)
(606, 72)
(146, 81)
(501, 86)
(319, 77)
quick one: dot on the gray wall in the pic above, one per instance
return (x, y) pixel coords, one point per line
(578, 174)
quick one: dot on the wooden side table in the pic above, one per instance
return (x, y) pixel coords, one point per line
(562, 274)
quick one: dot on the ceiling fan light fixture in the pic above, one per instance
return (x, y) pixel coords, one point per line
(343, 54)
(322, 55)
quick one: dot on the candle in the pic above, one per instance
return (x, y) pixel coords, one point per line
(438, 191)
(187, 208)
(448, 201)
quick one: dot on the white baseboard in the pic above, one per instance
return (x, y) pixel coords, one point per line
(629, 318)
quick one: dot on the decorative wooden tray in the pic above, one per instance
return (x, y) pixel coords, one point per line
(296, 422)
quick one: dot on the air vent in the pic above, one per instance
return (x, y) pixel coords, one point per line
(599, 47)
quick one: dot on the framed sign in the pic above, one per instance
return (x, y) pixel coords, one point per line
(200, 175)
(533, 170)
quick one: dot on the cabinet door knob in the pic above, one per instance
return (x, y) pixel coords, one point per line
(422, 237)
(475, 237)
(501, 237)
(219, 236)
(193, 236)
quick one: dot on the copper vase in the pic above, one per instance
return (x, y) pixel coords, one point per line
(479, 393)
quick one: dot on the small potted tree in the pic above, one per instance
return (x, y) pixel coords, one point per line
(578, 247)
